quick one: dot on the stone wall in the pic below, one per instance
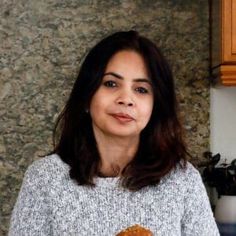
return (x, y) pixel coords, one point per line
(42, 46)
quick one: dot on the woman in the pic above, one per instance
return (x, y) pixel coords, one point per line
(119, 156)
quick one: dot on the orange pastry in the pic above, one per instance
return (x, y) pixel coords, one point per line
(135, 230)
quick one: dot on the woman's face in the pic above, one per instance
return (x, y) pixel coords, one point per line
(122, 105)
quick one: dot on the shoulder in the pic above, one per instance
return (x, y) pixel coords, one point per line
(51, 161)
(184, 172)
(188, 172)
(46, 168)
(186, 177)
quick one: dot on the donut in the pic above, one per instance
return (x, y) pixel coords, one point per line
(135, 230)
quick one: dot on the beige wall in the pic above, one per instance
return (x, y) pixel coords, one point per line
(223, 122)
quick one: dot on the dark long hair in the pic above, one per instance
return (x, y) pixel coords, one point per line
(161, 145)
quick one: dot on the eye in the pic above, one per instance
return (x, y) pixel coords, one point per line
(110, 84)
(141, 90)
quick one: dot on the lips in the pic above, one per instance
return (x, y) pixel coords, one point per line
(123, 117)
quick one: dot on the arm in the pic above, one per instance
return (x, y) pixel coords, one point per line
(198, 218)
(31, 214)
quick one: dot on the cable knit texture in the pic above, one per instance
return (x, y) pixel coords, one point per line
(50, 203)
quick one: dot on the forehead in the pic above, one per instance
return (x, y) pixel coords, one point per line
(128, 64)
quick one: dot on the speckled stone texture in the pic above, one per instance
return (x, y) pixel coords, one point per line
(42, 46)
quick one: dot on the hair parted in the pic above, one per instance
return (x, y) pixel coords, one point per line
(161, 145)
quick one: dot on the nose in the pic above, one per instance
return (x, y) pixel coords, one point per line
(129, 104)
(125, 99)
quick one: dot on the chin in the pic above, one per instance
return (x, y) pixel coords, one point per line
(123, 133)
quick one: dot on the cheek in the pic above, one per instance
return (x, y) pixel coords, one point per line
(147, 108)
(93, 106)
(145, 114)
(97, 104)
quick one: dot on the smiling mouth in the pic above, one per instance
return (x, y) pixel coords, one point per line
(123, 118)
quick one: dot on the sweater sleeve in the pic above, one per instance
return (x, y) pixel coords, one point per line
(31, 213)
(198, 219)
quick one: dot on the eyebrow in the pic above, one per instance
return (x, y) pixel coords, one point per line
(122, 78)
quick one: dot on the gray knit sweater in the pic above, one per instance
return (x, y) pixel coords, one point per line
(50, 203)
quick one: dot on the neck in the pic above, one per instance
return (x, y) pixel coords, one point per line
(115, 153)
